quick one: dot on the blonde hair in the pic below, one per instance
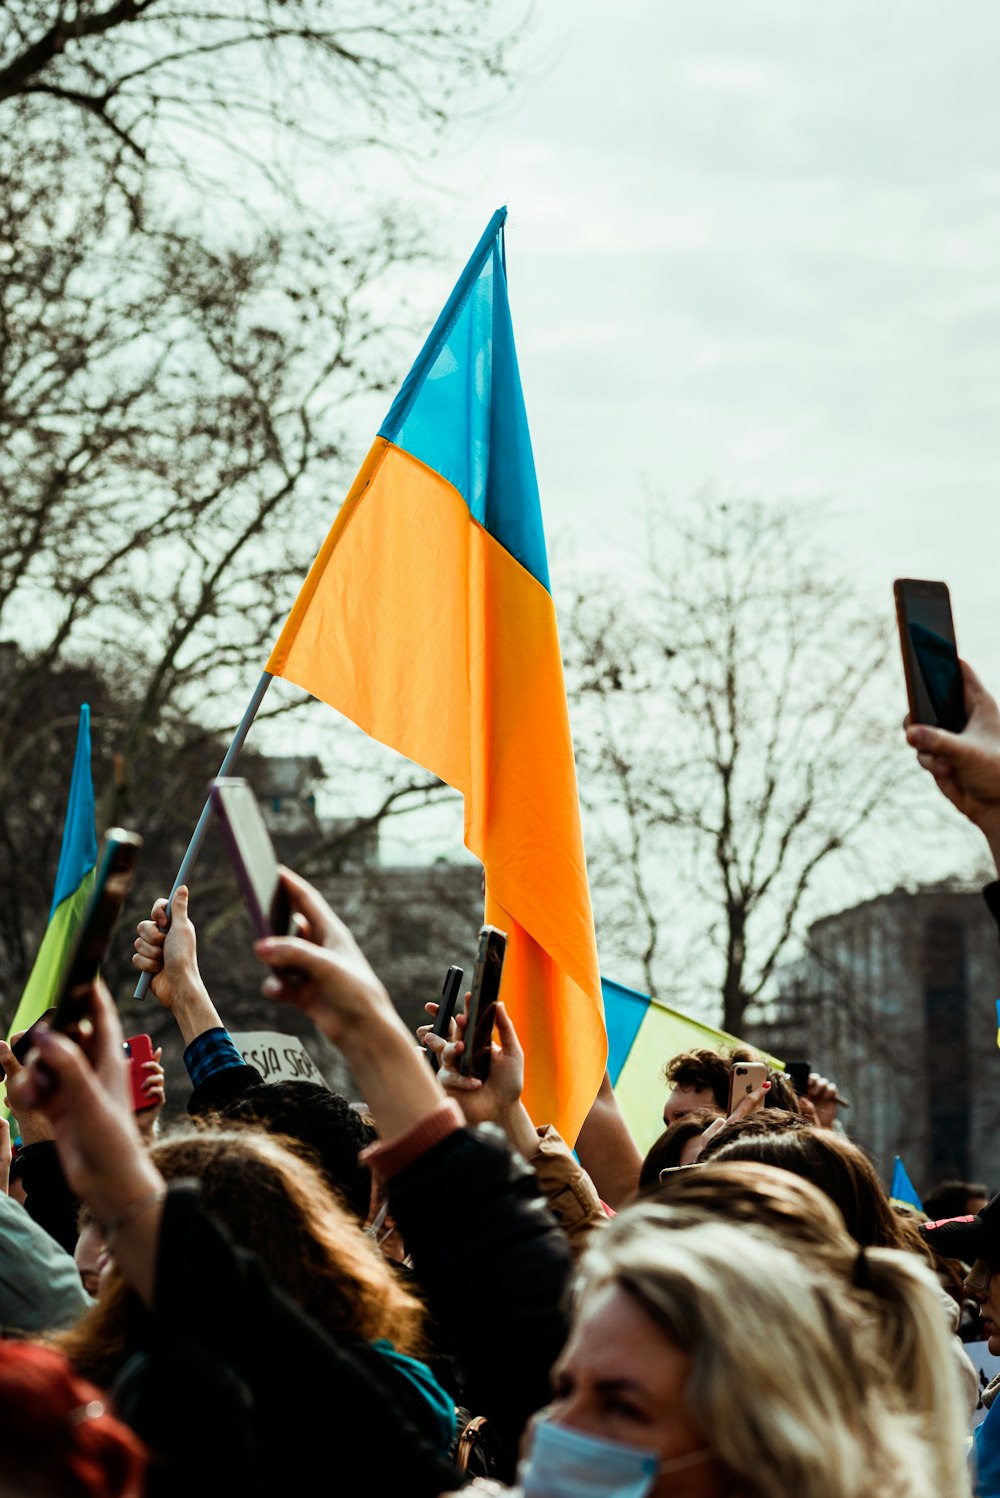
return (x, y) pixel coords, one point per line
(784, 1381)
(276, 1204)
(895, 1289)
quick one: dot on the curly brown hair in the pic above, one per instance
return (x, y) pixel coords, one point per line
(274, 1203)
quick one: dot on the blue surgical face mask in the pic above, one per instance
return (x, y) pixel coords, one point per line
(565, 1463)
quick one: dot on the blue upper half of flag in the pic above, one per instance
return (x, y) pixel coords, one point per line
(79, 842)
(461, 410)
(624, 1011)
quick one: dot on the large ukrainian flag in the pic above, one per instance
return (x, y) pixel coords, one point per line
(427, 619)
(74, 882)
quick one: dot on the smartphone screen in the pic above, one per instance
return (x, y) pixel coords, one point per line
(115, 869)
(930, 655)
(482, 1010)
(252, 854)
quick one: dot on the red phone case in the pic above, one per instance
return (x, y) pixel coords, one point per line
(139, 1049)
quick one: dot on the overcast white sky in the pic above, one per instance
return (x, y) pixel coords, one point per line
(754, 243)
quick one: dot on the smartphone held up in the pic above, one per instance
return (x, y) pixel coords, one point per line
(482, 1010)
(251, 852)
(934, 686)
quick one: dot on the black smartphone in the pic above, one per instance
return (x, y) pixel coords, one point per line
(930, 654)
(23, 1046)
(446, 1009)
(253, 858)
(115, 870)
(798, 1073)
(477, 1054)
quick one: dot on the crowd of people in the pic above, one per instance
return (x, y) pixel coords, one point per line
(426, 1291)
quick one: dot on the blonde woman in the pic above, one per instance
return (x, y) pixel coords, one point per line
(906, 1304)
(705, 1362)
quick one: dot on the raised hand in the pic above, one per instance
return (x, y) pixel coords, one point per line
(966, 765)
(323, 972)
(86, 1098)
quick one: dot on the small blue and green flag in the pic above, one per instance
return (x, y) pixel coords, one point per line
(74, 882)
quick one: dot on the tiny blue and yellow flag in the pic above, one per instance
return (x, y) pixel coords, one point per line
(74, 882)
(902, 1189)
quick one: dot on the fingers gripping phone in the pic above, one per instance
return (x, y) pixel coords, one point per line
(139, 1050)
(252, 853)
(744, 1078)
(798, 1073)
(930, 655)
(115, 871)
(477, 1055)
(446, 1009)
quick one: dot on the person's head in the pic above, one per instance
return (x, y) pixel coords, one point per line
(840, 1170)
(955, 1199)
(764, 1121)
(675, 1146)
(698, 1079)
(896, 1291)
(274, 1203)
(975, 1240)
(58, 1438)
(735, 1365)
(90, 1252)
(324, 1122)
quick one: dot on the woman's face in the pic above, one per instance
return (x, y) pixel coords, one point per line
(619, 1379)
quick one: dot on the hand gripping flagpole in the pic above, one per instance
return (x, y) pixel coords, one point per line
(198, 836)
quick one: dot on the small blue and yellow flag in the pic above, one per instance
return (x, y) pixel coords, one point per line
(902, 1189)
(74, 882)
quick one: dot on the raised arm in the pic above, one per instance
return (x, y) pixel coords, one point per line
(966, 765)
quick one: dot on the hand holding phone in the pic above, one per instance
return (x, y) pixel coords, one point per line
(446, 1009)
(139, 1050)
(481, 1013)
(934, 686)
(744, 1078)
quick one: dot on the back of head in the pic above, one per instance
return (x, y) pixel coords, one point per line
(840, 1170)
(58, 1440)
(275, 1204)
(764, 1121)
(894, 1290)
(786, 1391)
(323, 1121)
(955, 1199)
(666, 1152)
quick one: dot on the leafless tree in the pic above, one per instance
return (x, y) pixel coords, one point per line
(192, 293)
(736, 731)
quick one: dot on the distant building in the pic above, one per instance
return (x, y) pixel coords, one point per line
(896, 1000)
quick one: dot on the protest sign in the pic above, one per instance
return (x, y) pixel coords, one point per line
(278, 1058)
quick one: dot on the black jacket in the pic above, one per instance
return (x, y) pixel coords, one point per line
(494, 1268)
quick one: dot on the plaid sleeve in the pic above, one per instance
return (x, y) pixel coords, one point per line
(209, 1052)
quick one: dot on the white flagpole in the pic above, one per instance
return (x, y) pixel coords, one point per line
(198, 836)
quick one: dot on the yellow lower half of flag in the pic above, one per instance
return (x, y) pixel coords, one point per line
(43, 981)
(420, 627)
